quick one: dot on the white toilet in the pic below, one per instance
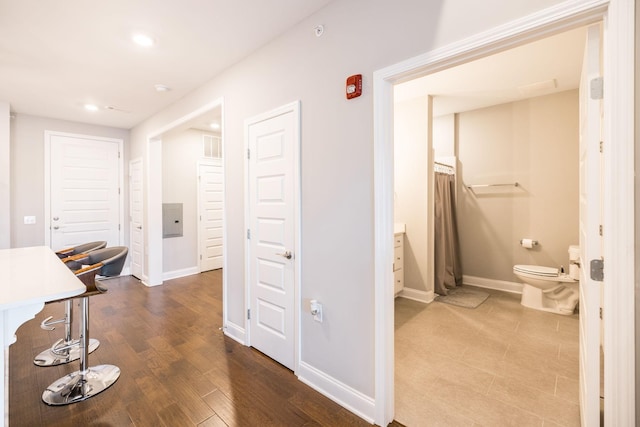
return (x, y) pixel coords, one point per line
(549, 289)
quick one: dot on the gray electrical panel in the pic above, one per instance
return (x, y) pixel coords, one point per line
(171, 220)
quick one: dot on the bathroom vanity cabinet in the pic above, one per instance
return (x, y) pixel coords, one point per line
(398, 258)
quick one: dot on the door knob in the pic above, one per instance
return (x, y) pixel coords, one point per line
(55, 218)
(139, 227)
(55, 227)
(286, 254)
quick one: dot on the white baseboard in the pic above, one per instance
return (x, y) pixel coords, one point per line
(417, 295)
(499, 285)
(168, 275)
(345, 396)
(235, 332)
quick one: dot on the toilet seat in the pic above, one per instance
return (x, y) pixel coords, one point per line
(537, 270)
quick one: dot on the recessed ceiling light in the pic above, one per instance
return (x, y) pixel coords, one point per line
(214, 125)
(91, 107)
(162, 88)
(143, 40)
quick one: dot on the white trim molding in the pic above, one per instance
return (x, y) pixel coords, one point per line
(498, 285)
(619, 214)
(619, 178)
(183, 272)
(417, 295)
(235, 332)
(342, 394)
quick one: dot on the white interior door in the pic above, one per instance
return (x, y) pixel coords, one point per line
(590, 221)
(136, 218)
(210, 196)
(84, 192)
(273, 142)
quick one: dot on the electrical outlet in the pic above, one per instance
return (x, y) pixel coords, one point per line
(316, 310)
(29, 219)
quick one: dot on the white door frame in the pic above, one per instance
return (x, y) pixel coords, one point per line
(295, 108)
(153, 206)
(143, 277)
(47, 179)
(619, 226)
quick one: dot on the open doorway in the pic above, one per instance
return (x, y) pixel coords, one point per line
(505, 119)
(618, 42)
(178, 155)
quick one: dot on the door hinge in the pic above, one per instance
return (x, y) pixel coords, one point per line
(601, 145)
(248, 234)
(200, 257)
(600, 229)
(248, 153)
(600, 313)
(597, 270)
(249, 313)
(596, 87)
(118, 227)
(118, 154)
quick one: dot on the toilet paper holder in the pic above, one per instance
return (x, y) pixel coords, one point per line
(528, 243)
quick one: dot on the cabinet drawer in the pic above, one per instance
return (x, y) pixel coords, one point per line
(398, 258)
(398, 280)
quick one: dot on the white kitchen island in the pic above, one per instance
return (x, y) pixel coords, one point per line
(29, 277)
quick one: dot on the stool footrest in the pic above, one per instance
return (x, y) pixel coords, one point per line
(78, 386)
(59, 355)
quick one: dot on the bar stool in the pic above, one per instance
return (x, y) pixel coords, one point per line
(66, 349)
(88, 381)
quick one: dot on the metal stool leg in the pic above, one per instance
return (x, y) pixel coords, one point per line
(88, 381)
(64, 350)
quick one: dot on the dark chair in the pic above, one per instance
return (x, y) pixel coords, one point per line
(81, 249)
(65, 349)
(89, 381)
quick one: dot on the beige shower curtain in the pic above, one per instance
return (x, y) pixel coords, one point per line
(447, 268)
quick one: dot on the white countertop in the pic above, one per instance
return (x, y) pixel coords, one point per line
(34, 275)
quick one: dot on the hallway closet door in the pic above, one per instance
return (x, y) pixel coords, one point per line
(273, 161)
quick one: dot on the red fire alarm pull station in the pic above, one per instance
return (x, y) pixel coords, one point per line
(354, 86)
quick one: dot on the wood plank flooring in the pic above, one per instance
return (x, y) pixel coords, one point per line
(177, 368)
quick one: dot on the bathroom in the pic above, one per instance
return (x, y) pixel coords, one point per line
(532, 142)
(498, 351)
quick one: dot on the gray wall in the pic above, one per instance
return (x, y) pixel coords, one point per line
(27, 172)
(360, 36)
(533, 142)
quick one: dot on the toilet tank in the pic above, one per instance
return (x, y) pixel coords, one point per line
(574, 253)
(574, 265)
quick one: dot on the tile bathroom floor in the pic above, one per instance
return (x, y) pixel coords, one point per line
(500, 364)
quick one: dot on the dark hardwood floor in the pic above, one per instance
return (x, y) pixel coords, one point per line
(177, 368)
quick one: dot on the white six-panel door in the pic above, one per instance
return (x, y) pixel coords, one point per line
(210, 197)
(272, 223)
(84, 190)
(589, 227)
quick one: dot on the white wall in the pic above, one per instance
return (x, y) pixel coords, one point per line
(180, 154)
(533, 142)
(444, 136)
(411, 188)
(5, 176)
(360, 36)
(27, 172)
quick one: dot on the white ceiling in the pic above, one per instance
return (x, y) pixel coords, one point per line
(56, 56)
(516, 74)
